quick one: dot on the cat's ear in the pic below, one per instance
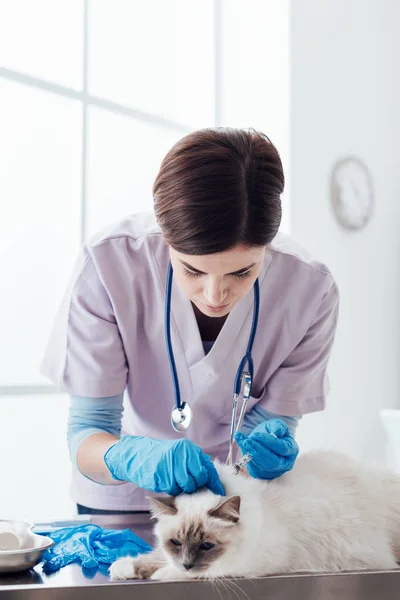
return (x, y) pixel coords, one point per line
(162, 505)
(227, 510)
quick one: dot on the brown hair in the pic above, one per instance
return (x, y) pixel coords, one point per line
(219, 188)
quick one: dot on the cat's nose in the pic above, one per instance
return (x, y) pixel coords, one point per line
(188, 566)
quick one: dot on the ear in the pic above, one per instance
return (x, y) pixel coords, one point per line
(162, 505)
(227, 510)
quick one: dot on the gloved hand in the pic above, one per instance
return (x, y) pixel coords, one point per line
(272, 448)
(90, 546)
(171, 466)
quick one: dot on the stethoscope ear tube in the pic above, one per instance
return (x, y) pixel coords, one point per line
(247, 360)
(244, 374)
(171, 358)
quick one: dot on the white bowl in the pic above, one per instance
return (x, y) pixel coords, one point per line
(32, 549)
(391, 422)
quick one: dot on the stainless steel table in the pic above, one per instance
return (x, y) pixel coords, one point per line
(70, 583)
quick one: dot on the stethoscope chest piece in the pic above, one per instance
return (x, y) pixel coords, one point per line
(181, 418)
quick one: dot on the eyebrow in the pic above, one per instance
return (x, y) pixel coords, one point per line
(185, 264)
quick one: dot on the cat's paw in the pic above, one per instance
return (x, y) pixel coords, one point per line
(123, 568)
(127, 567)
(168, 574)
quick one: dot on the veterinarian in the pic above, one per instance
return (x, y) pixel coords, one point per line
(217, 213)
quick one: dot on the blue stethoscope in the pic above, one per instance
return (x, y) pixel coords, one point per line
(182, 415)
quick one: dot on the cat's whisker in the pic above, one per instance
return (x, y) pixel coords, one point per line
(233, 587)
(214, 583)
(224, 583)
(237, 586)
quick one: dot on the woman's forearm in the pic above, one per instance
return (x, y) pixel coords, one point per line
(94, 425)
(90, 458)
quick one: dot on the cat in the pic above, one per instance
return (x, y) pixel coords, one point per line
(329, 513)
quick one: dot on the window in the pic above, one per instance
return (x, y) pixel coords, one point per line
(93, 93)
(84, 128)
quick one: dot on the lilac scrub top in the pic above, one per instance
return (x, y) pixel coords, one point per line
(108, 338)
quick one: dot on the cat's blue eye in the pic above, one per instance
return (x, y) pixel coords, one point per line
(176, 542)
(206, 546)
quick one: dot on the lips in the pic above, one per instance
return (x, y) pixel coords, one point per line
(216, 308)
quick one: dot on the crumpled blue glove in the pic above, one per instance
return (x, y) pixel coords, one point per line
(171, 466)
(90, 546)
(272, 448)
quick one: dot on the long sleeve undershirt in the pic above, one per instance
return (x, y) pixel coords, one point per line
(98, 415)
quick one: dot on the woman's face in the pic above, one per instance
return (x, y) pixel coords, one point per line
(216, 282)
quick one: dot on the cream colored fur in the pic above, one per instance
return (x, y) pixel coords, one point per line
(329, 513)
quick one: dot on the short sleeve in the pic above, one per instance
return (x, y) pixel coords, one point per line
(300, 384)
(85, 354)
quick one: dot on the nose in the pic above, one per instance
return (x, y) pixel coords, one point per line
(188, 566)
(215, 292)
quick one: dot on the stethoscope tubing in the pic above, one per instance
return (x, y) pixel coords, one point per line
(247, 360)
(170, 351)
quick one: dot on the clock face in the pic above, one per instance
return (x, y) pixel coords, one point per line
(352, 193)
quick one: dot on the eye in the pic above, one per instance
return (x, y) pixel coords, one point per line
(176, 542)
(206, 546)
(242, 275)
(191, 273)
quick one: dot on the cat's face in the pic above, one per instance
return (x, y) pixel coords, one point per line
(194, 534)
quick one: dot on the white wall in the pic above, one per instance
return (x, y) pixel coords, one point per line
(345, 99)
(254, 72)
(35, 466)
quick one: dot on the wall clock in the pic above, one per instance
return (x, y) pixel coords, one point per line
(352, 194)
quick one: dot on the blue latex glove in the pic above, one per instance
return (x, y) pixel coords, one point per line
(171, 466)
(90, 546)
(272, 448)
